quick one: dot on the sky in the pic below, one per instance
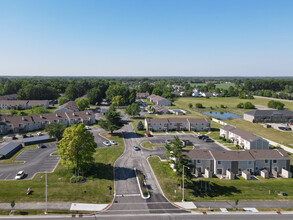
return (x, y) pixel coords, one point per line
(146, 37)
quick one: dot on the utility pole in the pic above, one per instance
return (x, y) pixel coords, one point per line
(46, 211)
(183, 182)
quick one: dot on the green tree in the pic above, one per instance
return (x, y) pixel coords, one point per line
(177, 158)
(55, 130)
(240, 105)
(82, 103)
(118, 100)
(39, 110)
(112, 120)
(95, 96)
(139, 126)
(248, 105)
(276, 104)
(62, 100)
(132, 110)
(198, 105)
(190, 105)
(77, 147)
(72, 92)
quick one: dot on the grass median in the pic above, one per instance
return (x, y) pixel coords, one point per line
(262, 189)
(94, 190)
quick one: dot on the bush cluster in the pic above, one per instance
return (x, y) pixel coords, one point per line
(76, 179)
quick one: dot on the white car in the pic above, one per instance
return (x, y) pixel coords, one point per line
(107, 143)
(39, 134)
(136, 148)
(87, 128)
(113, 143)
(19, 175)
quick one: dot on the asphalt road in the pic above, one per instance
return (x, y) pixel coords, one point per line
(36, 160)
(98, 138)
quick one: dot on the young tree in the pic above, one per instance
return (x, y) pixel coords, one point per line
(132, 110)
(190, 105)
(82, 103)
(55, 130)
(62, 100)
(77, 147)
(276, 104)
(112, 120)
(140, 126)
(248, 105)
(118, 100)
(178, 158)
(198, 105)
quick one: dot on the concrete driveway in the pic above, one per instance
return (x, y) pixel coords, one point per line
(35, 161)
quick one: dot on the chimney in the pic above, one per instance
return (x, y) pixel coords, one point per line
(73, 114)
(57, 115)
(22, 118)
(41, 116)
(87, 113)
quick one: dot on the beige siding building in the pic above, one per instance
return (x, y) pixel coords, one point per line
(269, 116)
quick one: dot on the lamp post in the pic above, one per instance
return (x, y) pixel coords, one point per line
(183, 182)
(46, 211)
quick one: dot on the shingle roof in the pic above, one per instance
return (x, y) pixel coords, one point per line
(157, 120)
(270, 113)
(177, 120)
(269, 154)
(199, 120)
(71, 105)
(199, 154)
(242, 133)
(232, 155)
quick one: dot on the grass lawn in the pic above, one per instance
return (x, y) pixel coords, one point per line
(285, 138)
(94, 190)
(10, 160)
(150, 146)
(263, 189)
(134, 122)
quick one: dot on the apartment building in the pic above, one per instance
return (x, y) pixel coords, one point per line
(177, 124)
(269, 116)
(22, 124)
(25, 104)
(219, 162)
(244, 139)
(70, 106)
(158, 100)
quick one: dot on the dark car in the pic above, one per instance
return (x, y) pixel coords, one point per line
(285, 128)
(41, 146)
(208, 140)
(136, 148)
(202, 136)
(14, 138)
(24, 136)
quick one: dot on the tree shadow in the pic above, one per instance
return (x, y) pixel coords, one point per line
(215, 129)
(123, 173)
(205, 188)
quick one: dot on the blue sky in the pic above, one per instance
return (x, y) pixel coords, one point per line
(146, 37)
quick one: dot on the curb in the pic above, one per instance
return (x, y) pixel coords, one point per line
(141, 194)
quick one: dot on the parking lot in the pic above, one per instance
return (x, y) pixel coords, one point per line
(35, 161)
(98, 138)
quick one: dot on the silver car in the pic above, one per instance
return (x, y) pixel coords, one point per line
(107, 143)
(19, 175)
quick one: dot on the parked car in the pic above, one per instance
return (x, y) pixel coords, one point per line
(87, 128)
(113, 143)
(136, 148)
(148, 134)
(41, 146)
(19, 175)
(202, 136)
(285, 128)
(39, 134)
(107, 143)
(208, 140)
(168, 141)
(14, 138)
(30, 135)
(24, 136)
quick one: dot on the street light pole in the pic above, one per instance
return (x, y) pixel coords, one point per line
(46, 211)
(183, 182)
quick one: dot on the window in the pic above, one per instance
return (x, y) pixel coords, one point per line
(249, 162)
(219, 162)
(198, 161)
(266, 161)
(274, 161)
(219, 171)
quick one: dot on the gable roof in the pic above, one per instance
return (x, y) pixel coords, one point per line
(270, 113)
(232, 155)
(269, 154)
(199, 154)
(242, 133)
(71, 105)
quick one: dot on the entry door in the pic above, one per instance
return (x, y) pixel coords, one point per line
(234, 167)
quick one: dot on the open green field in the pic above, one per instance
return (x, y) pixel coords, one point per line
(218, 85)
(263, 189)
(229, 102)
(94, 190)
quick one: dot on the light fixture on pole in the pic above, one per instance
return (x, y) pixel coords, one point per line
(46, 211)
(183, 182)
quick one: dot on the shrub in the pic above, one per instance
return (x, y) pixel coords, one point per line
(248, 105)
(240, 105)
(140, 126)
(222, 106)
(198, 105)
(190, 105)
(276, 104)
(76, 179)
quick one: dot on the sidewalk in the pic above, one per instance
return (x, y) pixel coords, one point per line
(54, 206)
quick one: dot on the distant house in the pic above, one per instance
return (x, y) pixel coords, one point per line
(70, 106)
(253, 161)
(196, 93)
(25, 104)
(177, 124)
(8, 97)
(142, 95)
(160, 109)
(158, 100)
(243, 138)
(22, 124)
(269, 116)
